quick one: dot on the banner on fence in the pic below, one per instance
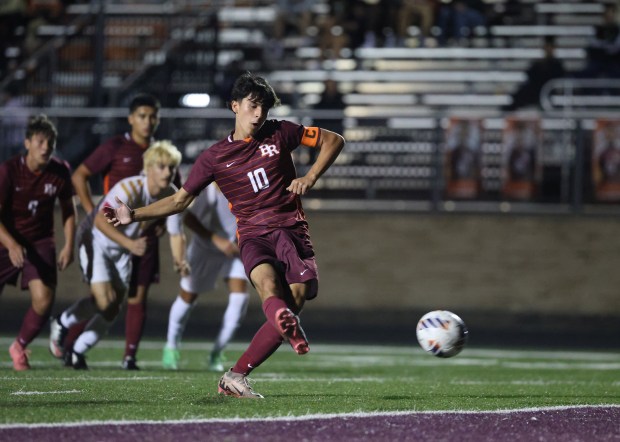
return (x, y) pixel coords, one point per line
(462, 171)
(521, 165)
(606, 160)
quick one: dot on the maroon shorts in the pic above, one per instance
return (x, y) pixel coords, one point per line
(289, 250)
(145, 268)
(40, 263)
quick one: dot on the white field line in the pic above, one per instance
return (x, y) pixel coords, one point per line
(280, 378)
(36, 393)
(92, 378)
(289, 418)
(413, 350)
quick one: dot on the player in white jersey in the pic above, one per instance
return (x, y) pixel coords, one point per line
(212, 253)
(105, 255)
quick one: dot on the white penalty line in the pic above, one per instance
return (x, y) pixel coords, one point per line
(290, 418)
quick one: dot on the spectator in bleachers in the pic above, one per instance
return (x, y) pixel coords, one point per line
(293, 18)
(458, 19)
(603, 50)
(334, 35)
(331, 99)
(409, 12)
(539, 73)
(40, 13)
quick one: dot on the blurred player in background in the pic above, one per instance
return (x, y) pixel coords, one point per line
(106, 254)
(29, 187)
(212, 253)
(254, 168)
(117, 158)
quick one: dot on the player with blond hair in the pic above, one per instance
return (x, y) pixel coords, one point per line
(116, 158)
(105, 252)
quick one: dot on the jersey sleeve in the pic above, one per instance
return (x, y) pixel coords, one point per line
(295, 135)
(100, 160)
(201, 174)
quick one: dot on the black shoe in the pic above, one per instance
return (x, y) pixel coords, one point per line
(78, 361)
(66, 359)
(129, 363)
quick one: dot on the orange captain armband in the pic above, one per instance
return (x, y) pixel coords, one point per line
(310, 136)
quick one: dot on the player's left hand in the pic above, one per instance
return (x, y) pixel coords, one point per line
(65, 258)
(182, 268)
(300, 186)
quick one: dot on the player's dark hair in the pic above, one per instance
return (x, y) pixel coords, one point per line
(250, 85)
(39, 124)
(144, 100)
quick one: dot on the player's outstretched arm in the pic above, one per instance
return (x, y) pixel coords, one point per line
(170, 205)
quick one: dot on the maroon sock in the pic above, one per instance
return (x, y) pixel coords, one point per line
(265, 342)
(134, 326)
(74, 332)
(270, 307)
(31, 327)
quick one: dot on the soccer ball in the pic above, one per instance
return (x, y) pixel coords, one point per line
(441, 333)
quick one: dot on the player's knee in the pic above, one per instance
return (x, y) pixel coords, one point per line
(111, 312)
(188, 297)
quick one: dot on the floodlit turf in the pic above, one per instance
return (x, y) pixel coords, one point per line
(330, 379)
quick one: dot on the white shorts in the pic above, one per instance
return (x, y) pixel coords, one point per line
(112, 265)
(207, 264)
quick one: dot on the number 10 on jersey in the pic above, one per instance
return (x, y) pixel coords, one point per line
(259, 180)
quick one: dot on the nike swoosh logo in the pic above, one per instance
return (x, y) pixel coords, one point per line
(230, 164)
(126, 160)
(302, 273)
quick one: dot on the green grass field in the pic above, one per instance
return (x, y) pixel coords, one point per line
(330, 379)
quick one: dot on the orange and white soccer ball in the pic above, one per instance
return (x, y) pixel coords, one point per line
(441, 333)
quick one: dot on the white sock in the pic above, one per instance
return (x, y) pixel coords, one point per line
(234, 314)
(78, 311)
(179, 314)
(96, 328)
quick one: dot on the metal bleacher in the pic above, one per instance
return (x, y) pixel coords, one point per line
(398, 100)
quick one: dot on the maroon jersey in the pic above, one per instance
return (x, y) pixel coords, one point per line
(117, 158)
(253, 175)
(27, 198)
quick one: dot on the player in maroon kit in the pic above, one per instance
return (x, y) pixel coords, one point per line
(253, 167)
(29, 187)
(118, 158)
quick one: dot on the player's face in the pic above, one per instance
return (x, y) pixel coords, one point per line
(161, 175)
(250, 117)
(40, 149)
(144, 121)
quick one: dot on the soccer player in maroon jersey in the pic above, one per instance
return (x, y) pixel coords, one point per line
(118, 158)
(254, 169)
(29, 187)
